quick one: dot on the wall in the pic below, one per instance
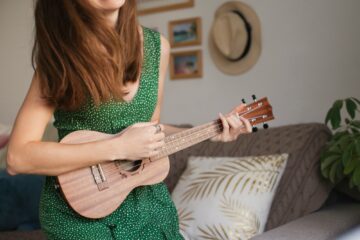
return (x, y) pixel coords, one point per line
(16, 32)
(310, 57)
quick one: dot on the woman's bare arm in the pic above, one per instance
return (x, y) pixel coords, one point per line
(164, 62)
(28, 154)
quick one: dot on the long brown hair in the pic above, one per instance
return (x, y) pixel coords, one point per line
(78, 55)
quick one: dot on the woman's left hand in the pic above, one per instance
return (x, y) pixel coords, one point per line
(233, 126)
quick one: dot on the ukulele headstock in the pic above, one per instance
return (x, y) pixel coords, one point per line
(259, 111)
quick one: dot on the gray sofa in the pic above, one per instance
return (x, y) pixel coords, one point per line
(304, 207)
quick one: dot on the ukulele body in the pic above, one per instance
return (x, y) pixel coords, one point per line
(97, 191)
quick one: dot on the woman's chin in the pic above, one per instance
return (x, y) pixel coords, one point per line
(107, 5)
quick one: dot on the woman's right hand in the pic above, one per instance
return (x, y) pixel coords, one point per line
(139, 141)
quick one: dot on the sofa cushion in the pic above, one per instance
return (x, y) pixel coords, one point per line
(227, 197)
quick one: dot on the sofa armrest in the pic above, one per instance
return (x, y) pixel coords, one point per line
(322, 225)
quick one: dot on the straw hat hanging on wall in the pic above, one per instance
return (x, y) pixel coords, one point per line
(235, 38)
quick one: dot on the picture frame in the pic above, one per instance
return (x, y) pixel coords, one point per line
(185, 32)
(186, 64)
(154, 6)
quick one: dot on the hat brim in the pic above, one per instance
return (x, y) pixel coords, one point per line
(241, 66)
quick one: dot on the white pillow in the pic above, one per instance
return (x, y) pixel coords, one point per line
(227, 197)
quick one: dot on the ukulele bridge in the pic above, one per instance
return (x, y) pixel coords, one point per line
(99, 177)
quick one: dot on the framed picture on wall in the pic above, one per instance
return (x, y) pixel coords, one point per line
(185, 32)
(186, 64)
(154, 6)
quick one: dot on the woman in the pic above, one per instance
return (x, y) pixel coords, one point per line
(96, 68)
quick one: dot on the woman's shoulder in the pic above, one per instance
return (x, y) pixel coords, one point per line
(164, 42)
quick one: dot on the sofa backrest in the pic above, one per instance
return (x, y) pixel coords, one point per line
(301, 190)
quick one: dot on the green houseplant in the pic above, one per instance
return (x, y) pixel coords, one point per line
(340, 160)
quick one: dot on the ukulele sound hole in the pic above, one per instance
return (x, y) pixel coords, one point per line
(129, 166)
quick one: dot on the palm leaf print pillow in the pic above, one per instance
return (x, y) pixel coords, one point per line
(227, 197)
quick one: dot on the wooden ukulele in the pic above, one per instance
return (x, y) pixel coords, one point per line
(97, 191)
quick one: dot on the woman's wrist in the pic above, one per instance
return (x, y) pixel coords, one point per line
(114, 149)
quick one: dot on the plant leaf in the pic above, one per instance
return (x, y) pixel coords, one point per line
(354, 129)
(325, 172)
(351, 183)
(328, 116)
(355, 123)
(356, 100)
(347, 154)
(329, 160)
(334, 147)
(332, 173)
(339, 173)
(335, 117)
(356, 176)
(357, 147)
(339, 135)
(350, 107)
(344, 141)
(350, 166)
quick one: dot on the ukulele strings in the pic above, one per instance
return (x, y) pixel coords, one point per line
(216, 124)
(129, 166)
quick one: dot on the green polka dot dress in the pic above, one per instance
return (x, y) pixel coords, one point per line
(148, 212)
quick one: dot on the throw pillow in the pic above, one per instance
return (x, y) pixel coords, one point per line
(227, 197)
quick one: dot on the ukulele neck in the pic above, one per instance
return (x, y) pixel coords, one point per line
(189, 137)
(257, 112)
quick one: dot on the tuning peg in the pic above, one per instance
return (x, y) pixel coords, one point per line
(243, 101)
(266, 126)
(254, 97)
(254, 129)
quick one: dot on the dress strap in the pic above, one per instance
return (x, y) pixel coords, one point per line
(152, 47)
(151, 63)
